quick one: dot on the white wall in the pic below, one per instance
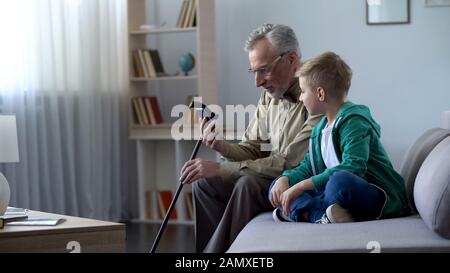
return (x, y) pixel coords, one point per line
(402, 72)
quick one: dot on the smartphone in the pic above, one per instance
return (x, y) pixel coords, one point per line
(203, 111)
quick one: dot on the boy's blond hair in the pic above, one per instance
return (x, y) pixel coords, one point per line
(328, 71)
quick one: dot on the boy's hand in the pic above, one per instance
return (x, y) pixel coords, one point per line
(281, 185)
(293, 192)
(288, 196)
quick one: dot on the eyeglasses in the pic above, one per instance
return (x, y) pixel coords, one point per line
(267, 69)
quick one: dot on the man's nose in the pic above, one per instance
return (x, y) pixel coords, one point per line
(260, 79)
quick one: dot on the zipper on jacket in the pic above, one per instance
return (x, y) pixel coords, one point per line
(311, 159)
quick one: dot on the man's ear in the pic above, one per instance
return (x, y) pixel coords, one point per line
(293, 58)
(321, 94)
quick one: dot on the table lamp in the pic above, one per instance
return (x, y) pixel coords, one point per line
(9, 152)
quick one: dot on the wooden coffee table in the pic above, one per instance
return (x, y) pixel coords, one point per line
(74, 235)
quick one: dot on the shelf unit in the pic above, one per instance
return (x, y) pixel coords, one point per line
(159, 156)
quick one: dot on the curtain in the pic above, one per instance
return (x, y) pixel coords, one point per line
(63, 73)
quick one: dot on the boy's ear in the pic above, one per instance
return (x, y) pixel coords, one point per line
(321, 94)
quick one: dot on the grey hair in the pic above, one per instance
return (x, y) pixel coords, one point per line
(282, 38)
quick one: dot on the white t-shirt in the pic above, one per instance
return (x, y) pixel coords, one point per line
(327, 148)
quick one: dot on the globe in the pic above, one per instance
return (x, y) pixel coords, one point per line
(187, 63)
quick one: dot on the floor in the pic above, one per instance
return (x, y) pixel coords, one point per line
(175, 239)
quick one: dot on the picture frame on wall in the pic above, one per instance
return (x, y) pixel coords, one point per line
(437, 3)
(384, 12)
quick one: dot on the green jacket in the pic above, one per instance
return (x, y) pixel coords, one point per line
(356, 140)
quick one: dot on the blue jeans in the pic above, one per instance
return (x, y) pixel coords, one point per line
(363, 200)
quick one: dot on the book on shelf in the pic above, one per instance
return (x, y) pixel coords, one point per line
(137, 111)
(164, 200)
(193, 14)
(150, 110)
(156, 110)
(157, 63)
(194, 24)
(142, 63)
(134, 114)
(143, 110)
(146, 110)
(150, 205)
(149, 64)
(182, 14)
(138, 70)
(188, 14)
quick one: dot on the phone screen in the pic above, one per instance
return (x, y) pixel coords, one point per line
(204, 112)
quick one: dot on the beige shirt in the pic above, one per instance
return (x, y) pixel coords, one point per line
(276, 139)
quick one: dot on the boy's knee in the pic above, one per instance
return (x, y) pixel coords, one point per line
(342, 175)
(340, 182)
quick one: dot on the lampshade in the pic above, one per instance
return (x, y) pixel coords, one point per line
(9, 150)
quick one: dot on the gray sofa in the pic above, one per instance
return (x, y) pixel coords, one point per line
(426, 170)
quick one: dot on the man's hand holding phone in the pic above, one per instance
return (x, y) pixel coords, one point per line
(212, 135)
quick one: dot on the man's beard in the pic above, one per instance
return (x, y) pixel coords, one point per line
(276, 94)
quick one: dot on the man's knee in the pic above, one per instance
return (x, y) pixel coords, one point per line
(251, 185)
(212, 188)
(199, 185)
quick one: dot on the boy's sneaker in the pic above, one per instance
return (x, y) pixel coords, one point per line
(279, 216)
(335, 214)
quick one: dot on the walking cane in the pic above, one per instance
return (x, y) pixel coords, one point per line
(207, 114)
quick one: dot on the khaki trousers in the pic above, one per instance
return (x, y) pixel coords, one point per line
(222, 209)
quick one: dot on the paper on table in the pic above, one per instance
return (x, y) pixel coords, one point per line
(31, 221)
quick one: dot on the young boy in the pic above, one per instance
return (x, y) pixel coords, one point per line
(346, 176)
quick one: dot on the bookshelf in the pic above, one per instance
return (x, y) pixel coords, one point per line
(159, 156)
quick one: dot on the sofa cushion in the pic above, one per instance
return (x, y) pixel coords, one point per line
(406, 234)
(416, 155)
(432, 189)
